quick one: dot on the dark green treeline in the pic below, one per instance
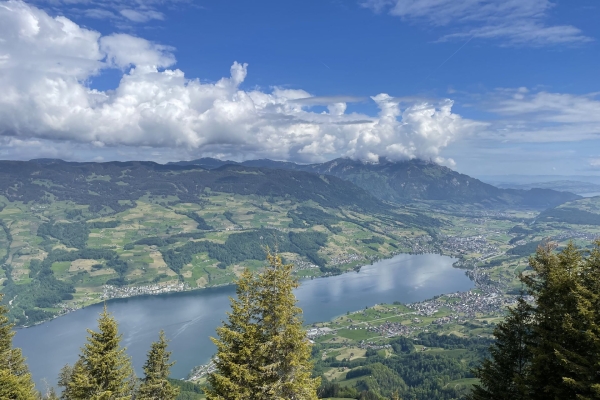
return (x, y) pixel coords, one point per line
(549, 348)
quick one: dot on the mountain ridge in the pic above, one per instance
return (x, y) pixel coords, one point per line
(107, 184)
(413, 180)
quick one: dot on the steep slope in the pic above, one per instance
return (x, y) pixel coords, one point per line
(421, 180)
(116, 184)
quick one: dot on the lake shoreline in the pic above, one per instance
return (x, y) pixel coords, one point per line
(198, 289)
(190, 318)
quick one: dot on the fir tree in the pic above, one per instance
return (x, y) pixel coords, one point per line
(581, 359)
(550, 349)
(237, 372)
(15, 379)
(555, 285)
(504, 374)
(103, 371)
(262, 351)
(155, 385)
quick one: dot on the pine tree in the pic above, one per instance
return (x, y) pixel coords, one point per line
(262, 351)
(15, 379)
(155, 385)
(581, 359)
(236, 367)
(504, 374)
(555, 285)
(550, 349)
(103, 371)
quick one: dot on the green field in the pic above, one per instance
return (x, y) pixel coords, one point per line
(143, 235)
(121, 233)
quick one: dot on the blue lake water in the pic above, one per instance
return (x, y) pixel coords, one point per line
(190, 318)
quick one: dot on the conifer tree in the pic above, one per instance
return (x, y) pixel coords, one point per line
(556, 339)
(503, 375)
(555, 285)
(64, 377)
(581, 358)
(155, 385)
(15, 379)
(262, 351)
(103, 371)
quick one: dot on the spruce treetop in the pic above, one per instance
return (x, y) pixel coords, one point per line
(155, 385)
(103, 371)
(15, 379)
(262, 350)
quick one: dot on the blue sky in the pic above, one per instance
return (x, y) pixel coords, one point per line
(484, 86)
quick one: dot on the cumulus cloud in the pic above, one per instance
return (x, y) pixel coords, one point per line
(514, 22)
(46, 61)
(124, 50)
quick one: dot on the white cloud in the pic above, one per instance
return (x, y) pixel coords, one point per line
(551, 107)
(527, 116)
(325, 100)
(47, 61)
(514, 22)
(126, 50)
(122, 11)
(141, 16)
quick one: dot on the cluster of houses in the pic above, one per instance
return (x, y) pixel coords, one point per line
(202, 370)
(467, 304)
(115, 292)
(470, 244)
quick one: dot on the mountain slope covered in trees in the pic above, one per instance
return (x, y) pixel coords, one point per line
(115, 184)
(580, 212)
(412, 180)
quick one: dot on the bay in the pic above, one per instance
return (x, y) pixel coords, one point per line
(190, 318)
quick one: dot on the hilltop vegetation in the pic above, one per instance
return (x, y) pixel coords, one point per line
(112, 187)
(412, 180)
(580, 212)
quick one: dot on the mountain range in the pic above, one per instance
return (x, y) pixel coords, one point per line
(115, 185)
(563, 185)
(411, 180)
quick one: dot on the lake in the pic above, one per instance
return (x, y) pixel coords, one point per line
(190, 318)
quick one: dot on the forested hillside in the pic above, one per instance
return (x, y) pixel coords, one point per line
(76, 233)
(580, 212)
(111, 187)
(412, 180)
